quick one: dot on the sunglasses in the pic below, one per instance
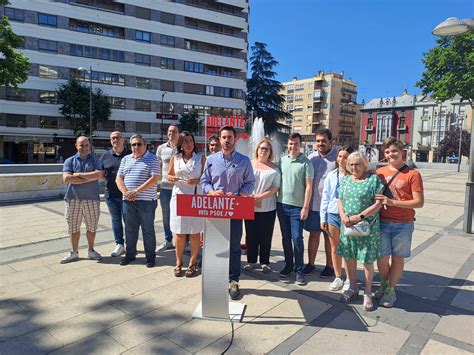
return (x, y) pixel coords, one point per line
(115, 138)
(137, 144)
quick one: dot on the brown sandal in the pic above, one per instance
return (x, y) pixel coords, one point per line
(178, 270)
(191, 271)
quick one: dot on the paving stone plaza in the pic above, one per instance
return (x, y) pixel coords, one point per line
(100, 307)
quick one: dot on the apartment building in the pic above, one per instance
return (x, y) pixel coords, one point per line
(432, 121)
(325, 100)
(150, 57)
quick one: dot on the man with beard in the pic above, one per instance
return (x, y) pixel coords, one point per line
(324, 161)
(229, 173)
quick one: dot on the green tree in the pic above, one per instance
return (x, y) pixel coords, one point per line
(189, 122)
(14, 66)
(449, 146)
(449, 68)
(74, 100)
(263, 91)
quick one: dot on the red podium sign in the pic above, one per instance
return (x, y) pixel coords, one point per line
(206, 206)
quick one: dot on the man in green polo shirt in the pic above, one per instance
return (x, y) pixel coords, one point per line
(294, 197)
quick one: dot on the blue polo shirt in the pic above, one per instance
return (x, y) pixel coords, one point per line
(89, 190)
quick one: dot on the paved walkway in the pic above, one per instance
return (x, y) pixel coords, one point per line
(100, 307)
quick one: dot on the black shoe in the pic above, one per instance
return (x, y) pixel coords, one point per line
(287, 270)
(234, 290)
(309, 269)
(126, 261)
(150, 264)
(327, 272)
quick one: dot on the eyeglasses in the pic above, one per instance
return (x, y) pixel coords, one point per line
(263, 148)
(116, 138)
(137, 144)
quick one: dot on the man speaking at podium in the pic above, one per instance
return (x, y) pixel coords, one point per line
(229, 173)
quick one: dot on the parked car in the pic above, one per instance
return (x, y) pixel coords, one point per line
(453, 159)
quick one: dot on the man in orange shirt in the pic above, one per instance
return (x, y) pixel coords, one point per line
(402, 194)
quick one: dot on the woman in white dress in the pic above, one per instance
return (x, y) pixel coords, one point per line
(184, 171)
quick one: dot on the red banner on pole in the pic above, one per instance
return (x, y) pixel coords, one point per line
(214, 123)
(207, 206)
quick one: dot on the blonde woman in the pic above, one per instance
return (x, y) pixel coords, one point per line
(356, 203)
(259, 232)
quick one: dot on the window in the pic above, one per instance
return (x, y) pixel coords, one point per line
(310, 85)
(142, 105)
(142, 36)
(297, 118)
(167, 63)
(290, 88)
(299, 87)
(47, 20)
(166, 17)
(16, 94)
(167, 40)
(48, 97)
(194, 67)
(309, 107)
(297, 129)
(142, 59)
(94, 52)
(167, 85)
(48, 122)
(317, 94)
(50, 72)
(298, 108)
(289, 108)
(298, 97)
(117, 102)
(196, 89)
(142, 12)
(290, 98)
(142, 127)
(16, 120)
(96, 28)
(15, 14)
(48, 46)
(143, 83)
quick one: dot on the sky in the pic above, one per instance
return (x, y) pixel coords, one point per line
(377, 43)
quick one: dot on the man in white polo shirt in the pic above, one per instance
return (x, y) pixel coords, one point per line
(137, 179)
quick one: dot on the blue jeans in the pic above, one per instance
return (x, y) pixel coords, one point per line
(292, 235)
(115, 206)
(235, 251)
(140, 213)
(165, 199)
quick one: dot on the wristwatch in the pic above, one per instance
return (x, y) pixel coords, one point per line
(136, 191)
(362, 216)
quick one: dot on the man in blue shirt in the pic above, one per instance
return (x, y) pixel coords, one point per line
(137, 179)
(113, 197)
(81, 173)
(229, 173)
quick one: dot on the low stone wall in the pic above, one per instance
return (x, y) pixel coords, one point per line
(30, 168)
(31, 186)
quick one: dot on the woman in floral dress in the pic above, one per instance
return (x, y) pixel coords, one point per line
(356, 203)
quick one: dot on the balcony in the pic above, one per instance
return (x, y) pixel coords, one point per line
(346, 101)
(348, 91)
(422, 129)
(345, 111)
(318, 99)
(369, 128)
(317, 109)
(346, 132)
(315, 127)
(424, 146)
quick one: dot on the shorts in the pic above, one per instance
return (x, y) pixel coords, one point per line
(76, 210)
(334, 220)
(396, 238)
(312, 223)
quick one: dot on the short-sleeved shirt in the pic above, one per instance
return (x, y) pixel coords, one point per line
(294, 173)
(322, 166)
(89, 190)
(264, 180)
(110, 163)
(137, 171)
(165, 153)
(402, 187)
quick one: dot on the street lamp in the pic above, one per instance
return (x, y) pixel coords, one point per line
(452, 27)
(81, 69)
(162, 114)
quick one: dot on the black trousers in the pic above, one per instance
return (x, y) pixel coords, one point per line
(259, 233)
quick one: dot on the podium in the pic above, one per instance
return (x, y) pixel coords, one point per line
(218, 212)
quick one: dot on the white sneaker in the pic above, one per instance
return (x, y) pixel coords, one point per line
(347, 285)
(249, 266)
(165, 246)
(93, 255)
(119, 250)
(266, 269)
(336, 285)
(71, 256)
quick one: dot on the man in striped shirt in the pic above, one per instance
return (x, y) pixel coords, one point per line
(137, 179)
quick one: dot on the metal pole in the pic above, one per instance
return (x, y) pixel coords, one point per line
(162, 114)
(469, 199)
(90, 105)
(460, 142)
